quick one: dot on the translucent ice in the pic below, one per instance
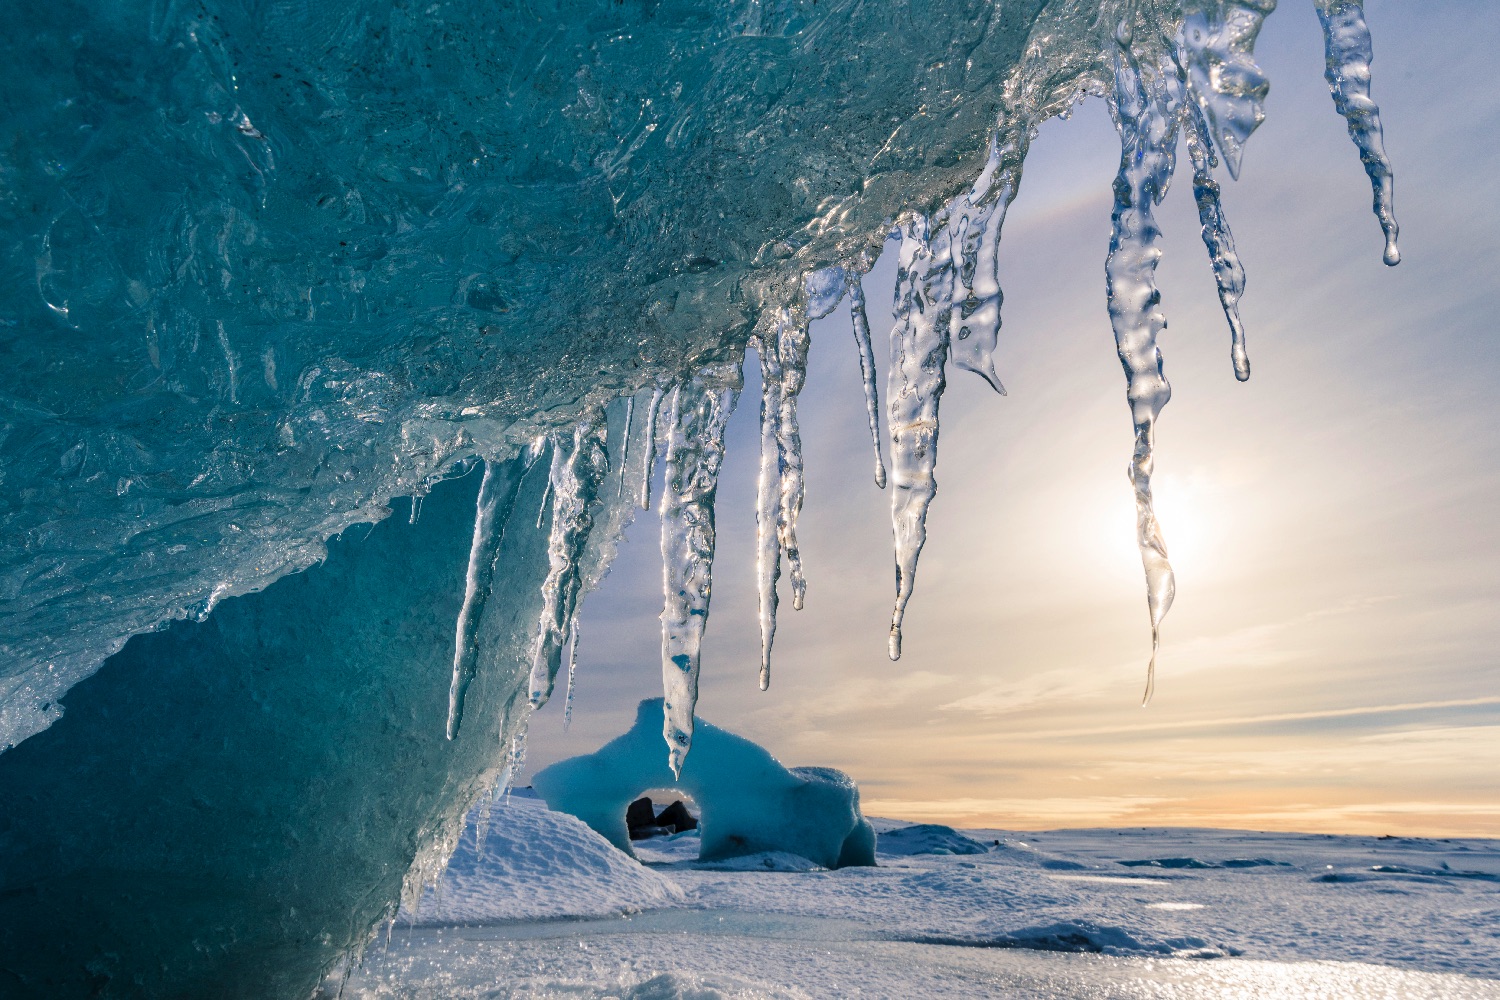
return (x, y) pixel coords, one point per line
(914, 387)
(579, 465)
(695, 451)
(783, 368)
(1346, 39)
(497, 493)
(1146, 110)
(1217, 41)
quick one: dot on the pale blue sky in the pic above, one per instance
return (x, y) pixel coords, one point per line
(1331, 660)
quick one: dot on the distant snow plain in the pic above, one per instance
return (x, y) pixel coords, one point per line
(536, 905)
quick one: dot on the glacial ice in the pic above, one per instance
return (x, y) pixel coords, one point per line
(750, 803)
(273, 269)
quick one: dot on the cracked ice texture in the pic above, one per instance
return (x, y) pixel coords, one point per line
(268, 267)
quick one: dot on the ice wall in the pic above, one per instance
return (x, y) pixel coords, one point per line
(229, 805)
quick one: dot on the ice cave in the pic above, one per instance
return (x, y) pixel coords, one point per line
(340, 342)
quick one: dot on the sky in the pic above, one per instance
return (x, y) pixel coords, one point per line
(1332, 661)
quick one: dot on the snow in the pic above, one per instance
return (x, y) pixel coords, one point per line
(1180, 913)
(750, 803)
(532, 864)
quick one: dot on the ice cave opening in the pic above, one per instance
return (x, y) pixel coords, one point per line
(342, 341)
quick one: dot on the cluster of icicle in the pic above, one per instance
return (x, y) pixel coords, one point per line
(1204, 88)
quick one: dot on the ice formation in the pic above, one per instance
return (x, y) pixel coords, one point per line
(525, 862)
(750, 803)
(271, 271)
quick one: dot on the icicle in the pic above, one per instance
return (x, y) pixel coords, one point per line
(650, 465)
(541, 511)
(1216, 46)
(767, 543)
(515, 760)
(625, 445)
(783, 370)
(976, 221)
(1147, 124)
(580, 462)
(914, 387)
(695, 451)
(791, 345)
(1229, 274)
(867, 369)
(497, 495)
(1346, 43)
(572, 672)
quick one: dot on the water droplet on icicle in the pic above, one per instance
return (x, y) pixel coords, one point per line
(1146, 112)
(580, 462)
(1347, 48)
(700, 410)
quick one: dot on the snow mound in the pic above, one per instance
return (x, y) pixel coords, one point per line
(927, 838)
(534, 864)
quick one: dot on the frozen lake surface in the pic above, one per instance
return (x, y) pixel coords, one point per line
(545, 908)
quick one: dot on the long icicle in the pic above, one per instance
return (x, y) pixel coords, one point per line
(649, 466)
(625, 445)
(767, 491)
(1147, 123)
(695, 452)
(861, 325)
(580, 461)
(792, 343)
(1229, 273)
(572, 671)
(497, 495)
(914, 387)
(1346, 44)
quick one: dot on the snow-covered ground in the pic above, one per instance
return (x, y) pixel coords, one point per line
(546, 908)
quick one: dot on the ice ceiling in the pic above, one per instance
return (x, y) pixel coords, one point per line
(271, 265)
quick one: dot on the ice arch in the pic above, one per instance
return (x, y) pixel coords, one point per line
(749, 802)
